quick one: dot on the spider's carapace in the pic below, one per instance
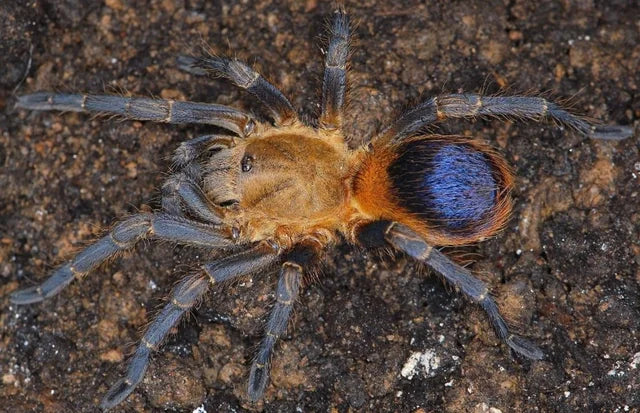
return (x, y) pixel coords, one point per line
(288, 181)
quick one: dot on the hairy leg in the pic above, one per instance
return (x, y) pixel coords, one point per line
(289, 282)
(379, 233)
(244, 77)
(184, 296)
(156, 110)
(335, 72)
(122, 237)
(472, 105)
(286, 294)
(259, 257)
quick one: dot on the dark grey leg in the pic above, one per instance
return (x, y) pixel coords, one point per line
(523, 107)
(291, 274)
(184, 296)
(335, 72)
(245, 77)
(286, 293)
(260, 257)
(156, 110)
(124, 236)
(408, 241)
(196, 234)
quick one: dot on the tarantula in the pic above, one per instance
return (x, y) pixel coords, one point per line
(285, 191)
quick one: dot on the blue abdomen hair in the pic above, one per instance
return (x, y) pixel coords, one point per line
(460, 185)
(448, 183)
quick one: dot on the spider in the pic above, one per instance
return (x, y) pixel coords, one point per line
(282, 192)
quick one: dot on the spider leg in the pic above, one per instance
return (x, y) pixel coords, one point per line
(184, 297)
(244, 77)
(335, 72)
(472, 105)
(156, 110)
(404, 239)
(245, 262)
(291, 274)
(124, 236)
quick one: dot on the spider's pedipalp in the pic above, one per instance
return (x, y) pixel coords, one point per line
(183, 297)
(244, 77)
(124, 236)
(412, 243)
(189, 151)
(472, 105)
(155, 110)
(181, 190)
(335, 72)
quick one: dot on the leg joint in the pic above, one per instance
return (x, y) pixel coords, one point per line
(169, 111)
(148, 344)
(178, 304)
(483, 295)
(293, 265)
(120, 244)
(425, 254)
(76, 274)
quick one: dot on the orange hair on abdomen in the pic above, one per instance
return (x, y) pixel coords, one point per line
(392, 183)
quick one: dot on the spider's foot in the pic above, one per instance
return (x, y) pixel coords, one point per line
(611, 132)
(49, 101)
(62, 277)
(116, 394)
(36, 101)
(524, 348)
(190, 65)
(29, 295)
(257, 381)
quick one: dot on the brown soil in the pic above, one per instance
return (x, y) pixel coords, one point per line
(566, 270)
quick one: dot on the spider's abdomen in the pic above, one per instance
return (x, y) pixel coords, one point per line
(448, 184)
(453, 190)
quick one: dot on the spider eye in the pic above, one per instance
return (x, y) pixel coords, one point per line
(247, 163)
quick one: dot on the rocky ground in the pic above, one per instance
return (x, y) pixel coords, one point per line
(375, 334)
